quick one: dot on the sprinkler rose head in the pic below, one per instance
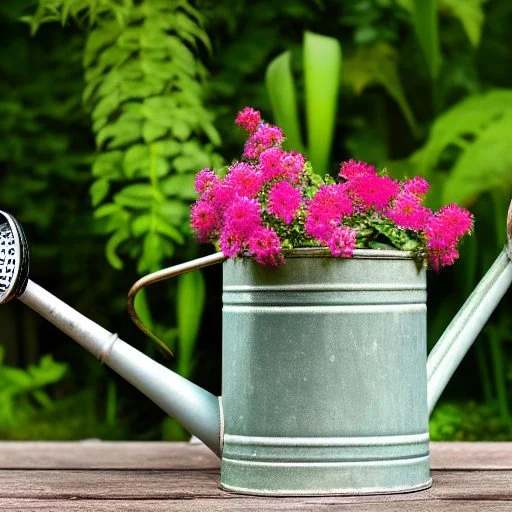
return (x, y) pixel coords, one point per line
(14, 258)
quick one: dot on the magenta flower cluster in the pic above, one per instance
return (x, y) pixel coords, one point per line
(271, 201)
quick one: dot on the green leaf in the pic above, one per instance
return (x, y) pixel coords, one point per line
(151, 253)
(283, 99)
(173, 211)
(135, 196)
(190, 301)
(475, 132)
(181, 185)
(164, 228)
(112, 245)
(166, 148)
(108, 165)
(485, 164)
(119, 134)
(425, 22)
(152, 131)
(181, 129)
(470, 14)
(377, 64)
(322, 71)
(141, 224)
(99, 190)
(136, 161)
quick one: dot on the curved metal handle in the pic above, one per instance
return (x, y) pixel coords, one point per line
(162, 275)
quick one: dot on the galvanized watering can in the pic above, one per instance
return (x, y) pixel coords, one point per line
(325, 386)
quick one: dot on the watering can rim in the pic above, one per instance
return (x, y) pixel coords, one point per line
(324, 252)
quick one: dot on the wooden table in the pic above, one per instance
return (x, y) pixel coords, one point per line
(102, 476)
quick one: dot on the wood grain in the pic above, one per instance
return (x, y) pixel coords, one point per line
(160, 455)
(247, 505)
(106, 476)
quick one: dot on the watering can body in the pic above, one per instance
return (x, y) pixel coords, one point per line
(324, 387)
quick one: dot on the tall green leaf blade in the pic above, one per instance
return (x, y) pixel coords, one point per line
(426, 27)
(283, 98)
(322, 72)
(189, 309)
(470, 14)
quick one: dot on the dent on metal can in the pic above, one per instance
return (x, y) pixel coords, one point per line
(324, 379)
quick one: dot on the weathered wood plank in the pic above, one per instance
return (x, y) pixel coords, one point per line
(247, 505)
(106, 455)
(183, 456)
(471, 456)
(194, 484)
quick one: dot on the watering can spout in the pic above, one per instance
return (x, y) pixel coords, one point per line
(469, 321)
(198, 410)
(195, 408)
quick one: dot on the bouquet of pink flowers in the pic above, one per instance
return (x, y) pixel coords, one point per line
(272, 201)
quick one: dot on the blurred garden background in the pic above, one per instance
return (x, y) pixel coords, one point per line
(108, 108)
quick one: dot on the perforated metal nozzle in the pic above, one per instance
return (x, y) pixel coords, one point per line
(14, 258)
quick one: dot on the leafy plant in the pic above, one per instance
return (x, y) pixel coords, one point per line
(22, 391)
(322, 69)
(474, 135)
(143, 89)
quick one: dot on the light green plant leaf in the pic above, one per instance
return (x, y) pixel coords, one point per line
(426, 27)
(322, 72)
(137, 196)
(485, 164)
(99, 190)
(377, 64)
(477, 130)
(141, 224)
(164, 228)
(181, 185)
(113, 243)
(283, 98)
(470, 14)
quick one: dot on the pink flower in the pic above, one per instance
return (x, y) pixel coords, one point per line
(271, 163)
(408, 213)
(447, 225)
(417, 186)
(203, 220)
(342, 242)
(284, 201)
(231, 243)
(292, 164)
(205, 180)
(352, 168)
(249, 119)
(244, 179)
(243, 216)
(326, 210)
(443, 231)
(265, 245)
(264, 137)
(370, 190)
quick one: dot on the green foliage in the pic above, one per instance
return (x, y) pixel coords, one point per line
(425, 22)
(283, 98)
(377, 65)
(322, 69)
(475, 136)
(468, 422)
(23, 391)
(144, 91)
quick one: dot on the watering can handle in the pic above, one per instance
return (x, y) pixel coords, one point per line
(162, 275)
